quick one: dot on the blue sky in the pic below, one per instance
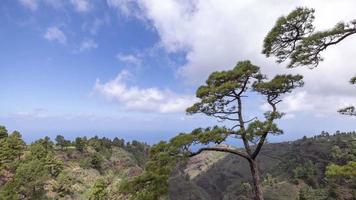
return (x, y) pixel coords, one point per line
(129, 68)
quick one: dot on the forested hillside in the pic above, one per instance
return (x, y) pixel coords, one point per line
(290, 170)
(80, 169)
(94, 168)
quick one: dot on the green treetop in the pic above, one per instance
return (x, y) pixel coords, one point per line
(294, 37)
(62, 142)
(38, 165)
(79, 144)
(16, 144)
(347, 171)
(11, 149)
(3, 132)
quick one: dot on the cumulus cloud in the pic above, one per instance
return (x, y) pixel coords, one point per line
(81, 5)
(54, 34)
(142, 99)
(129, 58)
(319, 105)
(36, 113)
(87, 45)
(30, 4)
(214, 35)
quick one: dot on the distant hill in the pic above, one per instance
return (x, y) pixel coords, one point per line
(288, 169)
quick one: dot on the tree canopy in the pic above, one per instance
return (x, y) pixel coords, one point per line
(3, 132)
(294, 37)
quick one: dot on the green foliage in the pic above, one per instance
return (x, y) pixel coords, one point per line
(46, 156)
(222, 179)
(99, 190)
(305, 170)
(96, 161)
(27, 182)
(280, 41)
(3, 132)
(153, 182)
(223, 90)
(95, 143)
(119, 142)
(79, 144)
(48, 177)
(137, 149)
(64, 184)
(29, 178)
(347, 171)
(280, 84)
(63, 143)
(308, 193)
(11, 149)
(216, 96)
(46, 143)
(293, 37)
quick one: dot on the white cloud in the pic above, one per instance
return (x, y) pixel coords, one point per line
(36, 113)
(31, 4)
(129, 58)
(81, 5)
(295, 102)
(214, 35)
(54, 34)
(142, 99)
(87, 45)
(125, 7)
(319, 105)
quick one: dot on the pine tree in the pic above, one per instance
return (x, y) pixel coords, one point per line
(62, 142)
(16, 144)
(222, 97)
(3, 132)
(79, 144)
(11, 148)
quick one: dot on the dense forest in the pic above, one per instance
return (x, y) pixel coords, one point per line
(62, 169)
(97, 168)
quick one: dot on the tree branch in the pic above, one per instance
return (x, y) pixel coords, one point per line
(242, 127)
(266, 131)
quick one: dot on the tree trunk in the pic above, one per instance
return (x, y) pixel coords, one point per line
(257, 187)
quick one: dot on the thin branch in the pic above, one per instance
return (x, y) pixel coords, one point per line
(250, 120)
